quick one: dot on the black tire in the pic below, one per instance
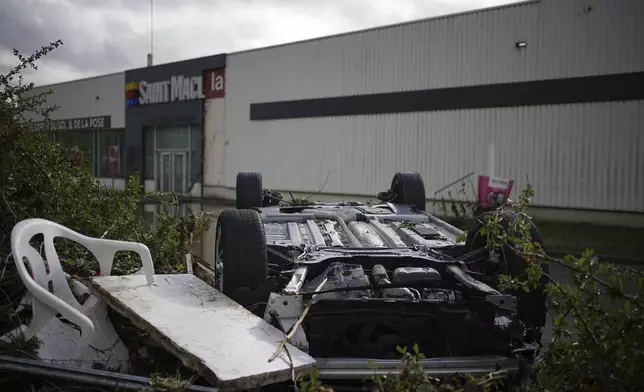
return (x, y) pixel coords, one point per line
(249, 191)
(409, 189)
(242, 243)
(531, 305)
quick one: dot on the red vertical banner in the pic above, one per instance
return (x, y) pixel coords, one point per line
(215, 83)
(114, 160)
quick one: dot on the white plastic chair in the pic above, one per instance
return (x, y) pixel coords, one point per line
(46, 304)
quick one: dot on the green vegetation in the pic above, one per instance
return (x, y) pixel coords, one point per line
(597, 319)
(39, 178)
(617, 243)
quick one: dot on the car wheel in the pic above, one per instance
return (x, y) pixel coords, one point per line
(409, 188)
(531, 305)
(249, 191)
(240, 251)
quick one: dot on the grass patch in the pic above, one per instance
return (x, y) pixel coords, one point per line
(620, 243)
(571, 237)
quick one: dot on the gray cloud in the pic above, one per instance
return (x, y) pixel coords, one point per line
(103, 36)
(29, 25)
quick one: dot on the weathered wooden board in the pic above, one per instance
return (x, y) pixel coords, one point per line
(208, 331)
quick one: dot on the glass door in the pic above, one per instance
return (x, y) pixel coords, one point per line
(172, 172)
(179, 165)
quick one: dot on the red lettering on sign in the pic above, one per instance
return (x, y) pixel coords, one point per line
(215, 85)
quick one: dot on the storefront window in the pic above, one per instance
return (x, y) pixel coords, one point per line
(110, 154)
(173, 137)
(83, 140)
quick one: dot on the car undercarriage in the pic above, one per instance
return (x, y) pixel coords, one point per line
(351, 283)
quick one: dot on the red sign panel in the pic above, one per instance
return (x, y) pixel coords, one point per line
(494, 192)
(215, 83)
(114, 160)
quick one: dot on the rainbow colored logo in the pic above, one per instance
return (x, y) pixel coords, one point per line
(132, 94)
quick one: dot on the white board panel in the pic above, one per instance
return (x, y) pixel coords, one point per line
(208, 331)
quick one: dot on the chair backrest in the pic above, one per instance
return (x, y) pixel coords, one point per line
(49, 274)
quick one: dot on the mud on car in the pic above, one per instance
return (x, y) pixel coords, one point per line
(354, 281)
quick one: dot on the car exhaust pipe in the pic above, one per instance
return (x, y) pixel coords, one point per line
(352, 238)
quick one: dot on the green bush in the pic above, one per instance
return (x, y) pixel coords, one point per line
(598, 324)
(41, 179)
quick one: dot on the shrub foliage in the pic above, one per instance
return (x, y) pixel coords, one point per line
(41, 179)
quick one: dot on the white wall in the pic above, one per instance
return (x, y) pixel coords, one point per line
(589, 37)
(470, 49)
(214, 144)
(576, 156)
(79, 98)
(564, 38)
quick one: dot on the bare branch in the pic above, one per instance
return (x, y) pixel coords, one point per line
(326, 180)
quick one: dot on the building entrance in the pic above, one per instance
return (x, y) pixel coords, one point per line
(173, 158)
(173, 175)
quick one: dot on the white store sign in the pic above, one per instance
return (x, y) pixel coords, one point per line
(178, 88)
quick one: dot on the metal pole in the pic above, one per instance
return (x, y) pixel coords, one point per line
(151, 54)
(101, 378)
(453, 183)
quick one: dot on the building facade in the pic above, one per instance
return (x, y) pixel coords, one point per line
(164, 108)
(546, 91)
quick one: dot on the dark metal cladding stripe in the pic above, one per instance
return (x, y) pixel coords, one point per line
(601, 88)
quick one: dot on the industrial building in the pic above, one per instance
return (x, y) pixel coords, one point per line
(152, 122)
(548, 91)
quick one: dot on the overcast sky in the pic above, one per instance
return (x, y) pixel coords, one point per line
(105, 36)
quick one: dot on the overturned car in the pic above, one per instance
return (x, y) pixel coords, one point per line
(350, 282)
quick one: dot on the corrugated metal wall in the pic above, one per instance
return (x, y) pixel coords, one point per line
(475, 48)
(565, 38)
(576, 156)
(590, 37)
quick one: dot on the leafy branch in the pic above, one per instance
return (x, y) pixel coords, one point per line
(601, 349)
(41, 179)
